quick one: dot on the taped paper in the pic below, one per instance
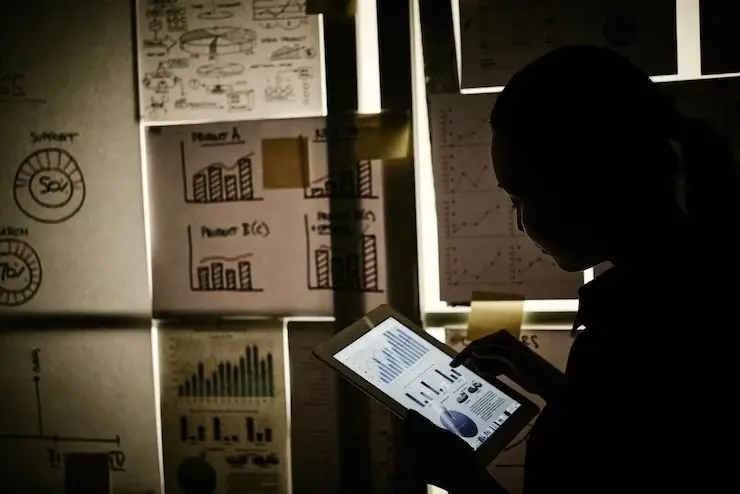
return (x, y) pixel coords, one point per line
(383, 137)
(491, 312)
(285, 163)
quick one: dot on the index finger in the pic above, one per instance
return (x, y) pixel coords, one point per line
(463, 355)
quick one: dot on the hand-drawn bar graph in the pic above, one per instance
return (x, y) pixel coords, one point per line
(250, 376)
(200, 432)
(400, 354)
(220, 273)
(217, 183)
(354, 182)
(346, 269)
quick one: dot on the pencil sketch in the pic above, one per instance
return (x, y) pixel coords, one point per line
(49, 186)
(208, 60)
(352, 265)
(54, 442)
(20, 272)
(282, 14)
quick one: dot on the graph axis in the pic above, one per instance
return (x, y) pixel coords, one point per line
(240, 189)
(329, 266)
(210, 276)
(355, 182)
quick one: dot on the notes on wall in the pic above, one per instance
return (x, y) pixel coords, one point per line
(240, 224)
(480, 247)
(508, 467)
(78, 399)
(71, 206)
(213, 60)
(500, 37)
(314, 421)
(720, 40)
(224, 410)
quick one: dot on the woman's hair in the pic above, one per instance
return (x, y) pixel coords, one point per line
(587, 117)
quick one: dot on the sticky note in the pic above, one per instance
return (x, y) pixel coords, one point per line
(285, 163)
(383, 137)
(491, 312)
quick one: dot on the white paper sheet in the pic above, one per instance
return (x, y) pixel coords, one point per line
(480, 247)
(275, 242)
(72, 234)
(224, 411)
(77, 391)
(205, 60)
(501, 36)
(508, 467)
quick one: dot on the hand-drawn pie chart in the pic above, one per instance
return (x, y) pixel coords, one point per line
(218, 41)
(20, 272)
(49, 186)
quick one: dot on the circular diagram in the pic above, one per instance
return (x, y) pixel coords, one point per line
(220, 70)
(218, 41)
(20, 272)
(196, 476)
(49, 186)
(459, 423)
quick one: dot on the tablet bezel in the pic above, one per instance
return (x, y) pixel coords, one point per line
(487, 451)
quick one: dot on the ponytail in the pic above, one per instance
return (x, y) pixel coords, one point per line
(710, 172)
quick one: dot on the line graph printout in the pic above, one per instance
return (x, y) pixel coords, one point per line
(226, 240)
(499, 37)
(216, 60)
(80, 397)
(481, 248)
(224, 410)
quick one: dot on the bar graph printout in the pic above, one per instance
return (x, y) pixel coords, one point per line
(480, 246)
(226, 239)
(224, 410)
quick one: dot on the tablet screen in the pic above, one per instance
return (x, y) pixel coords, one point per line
(418, 375)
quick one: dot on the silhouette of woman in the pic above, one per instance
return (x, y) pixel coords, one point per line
(601, 167)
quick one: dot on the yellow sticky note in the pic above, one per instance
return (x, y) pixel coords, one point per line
(383, 137)
(491, 312)
(285, 163)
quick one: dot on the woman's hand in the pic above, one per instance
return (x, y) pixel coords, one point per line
(501, 353)
(436, 456)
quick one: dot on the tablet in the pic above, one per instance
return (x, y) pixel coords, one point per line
(403, 367)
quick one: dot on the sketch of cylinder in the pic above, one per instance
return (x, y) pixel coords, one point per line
(220, 273)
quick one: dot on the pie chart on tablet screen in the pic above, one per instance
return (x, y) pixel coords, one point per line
(459, 423)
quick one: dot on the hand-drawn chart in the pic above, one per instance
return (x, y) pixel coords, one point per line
(49, 186)
(216, 60)
(64, 416)
(218, 182)
(20, 272)
(224, 411)
(247, 218)
(481, 247)
(356, 182)
(500, 37)
(351, 266)
(222, 273)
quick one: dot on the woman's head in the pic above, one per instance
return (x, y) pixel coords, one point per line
(582, 144)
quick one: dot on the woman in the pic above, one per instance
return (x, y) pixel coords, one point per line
(601, 167)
